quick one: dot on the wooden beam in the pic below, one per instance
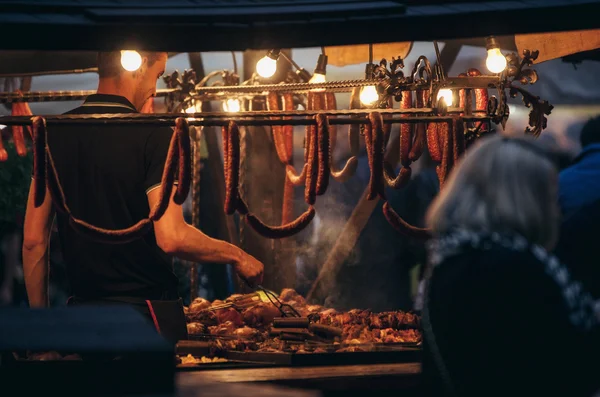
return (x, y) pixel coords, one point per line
(559, 44)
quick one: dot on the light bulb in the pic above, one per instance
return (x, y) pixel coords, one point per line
(495, 62)
(316, 79)
(131, 60)
(266, 67)
(446, 93)
(232, 105)
(368, 95)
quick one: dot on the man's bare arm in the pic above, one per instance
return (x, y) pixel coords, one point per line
(36, 240)
(175, 237)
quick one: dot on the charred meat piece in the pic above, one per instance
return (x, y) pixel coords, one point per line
(230, 314)
(288, 294)
(233, 297)
(261, 315)
(199, 304)
(226, 328)
(247, 333)
(207, 318)
(196, 328)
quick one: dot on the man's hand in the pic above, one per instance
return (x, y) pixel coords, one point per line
(250, 270)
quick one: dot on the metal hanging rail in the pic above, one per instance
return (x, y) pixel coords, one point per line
(48, 96)
(260, 118)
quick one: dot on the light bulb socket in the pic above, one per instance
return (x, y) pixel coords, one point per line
(321, 67)
(304, 75)
(274, 54)
(491, 43)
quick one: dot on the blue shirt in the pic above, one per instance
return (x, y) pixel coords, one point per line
(579, 184)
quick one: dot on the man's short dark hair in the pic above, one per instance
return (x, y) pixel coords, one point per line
(109, 63)
(590, 133)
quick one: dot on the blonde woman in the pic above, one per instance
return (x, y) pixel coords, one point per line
(501, 316)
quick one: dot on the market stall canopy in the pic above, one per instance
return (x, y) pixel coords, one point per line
(559, 44)
(209, 25)
(19, 63)
(357, 54)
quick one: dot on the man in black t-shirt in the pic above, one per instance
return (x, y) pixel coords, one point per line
(111, 177)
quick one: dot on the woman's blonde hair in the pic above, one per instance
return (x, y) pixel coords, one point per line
(501, 185)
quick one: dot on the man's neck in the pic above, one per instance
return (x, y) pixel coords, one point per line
(114, 87)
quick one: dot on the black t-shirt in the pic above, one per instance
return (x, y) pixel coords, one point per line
(106, 172)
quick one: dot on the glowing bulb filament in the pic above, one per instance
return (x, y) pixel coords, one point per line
(317, 78)
(495, 62)
(232, 105)
(369, 95)
(266, 67)
(445, 93)
(131, 60)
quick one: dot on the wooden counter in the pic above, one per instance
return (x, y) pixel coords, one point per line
(330, 380)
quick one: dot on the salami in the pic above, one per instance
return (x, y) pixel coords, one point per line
(396, 182)
(277, 130)
(458, 141)
(231, 146)
(121, 236)
(433, 138)
(406, 130)
(20, 109)
(182, 133)
(312, 170)
(168, 178)
(351, 165)
(481, 100)
(324, 154)
(377, 186)
(402, 226)
(287, 210)
(287, 230)
(3, 152)
(419, 142)
(45, 172)
(39, 160)
(354, 129)
(443, 169)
